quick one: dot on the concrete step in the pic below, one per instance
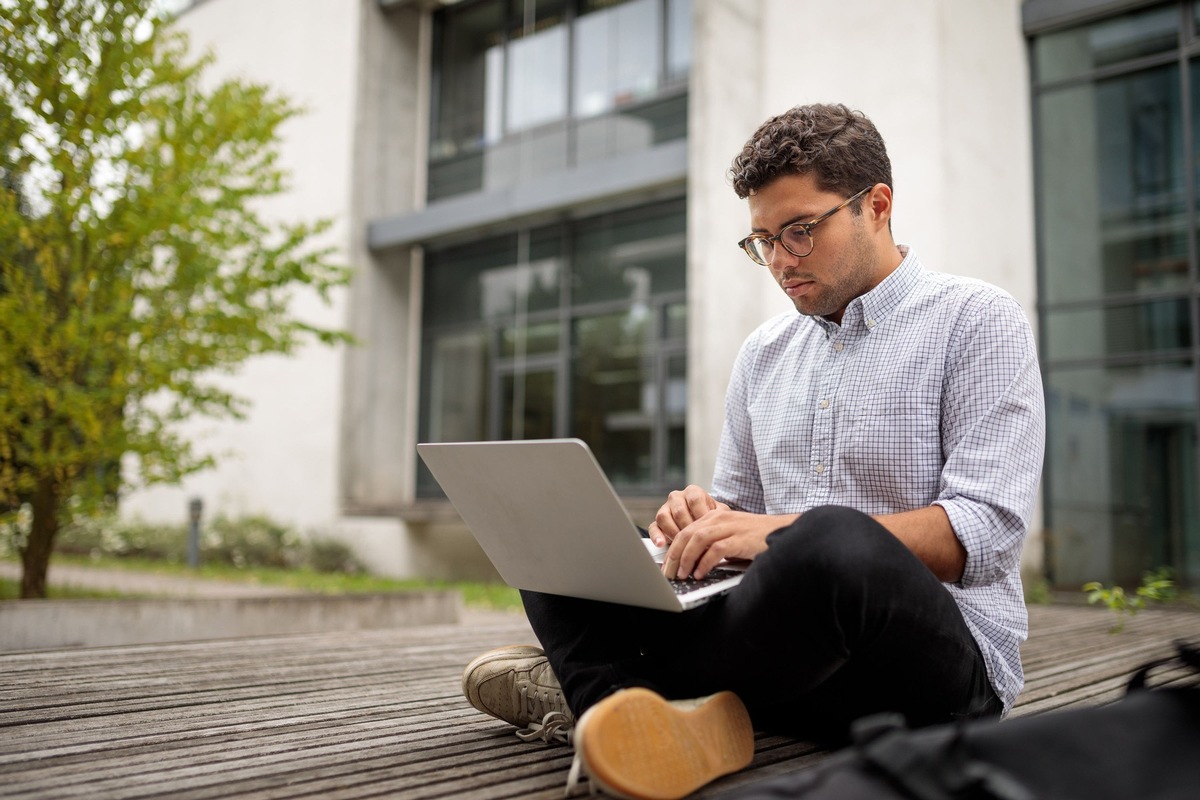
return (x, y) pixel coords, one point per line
(56, 624)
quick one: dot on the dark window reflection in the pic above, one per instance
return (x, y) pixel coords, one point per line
(510, 354)
(524, 89)
(1118, 296)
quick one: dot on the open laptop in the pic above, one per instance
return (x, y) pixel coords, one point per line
(546, 515)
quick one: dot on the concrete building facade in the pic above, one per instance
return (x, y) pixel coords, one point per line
(533, 194)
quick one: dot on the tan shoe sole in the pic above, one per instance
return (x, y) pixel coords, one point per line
(636, 745)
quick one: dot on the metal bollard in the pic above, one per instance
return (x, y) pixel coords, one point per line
(195, 509)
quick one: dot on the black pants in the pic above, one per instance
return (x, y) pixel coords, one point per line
(836, 620)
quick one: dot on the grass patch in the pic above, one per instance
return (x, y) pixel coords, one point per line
(475, 594)
(249, 550)
(10, 589)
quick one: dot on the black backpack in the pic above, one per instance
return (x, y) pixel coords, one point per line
(1144, 746)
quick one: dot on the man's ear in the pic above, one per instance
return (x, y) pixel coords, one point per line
(877, 205)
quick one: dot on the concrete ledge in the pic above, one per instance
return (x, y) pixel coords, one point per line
(55, 624)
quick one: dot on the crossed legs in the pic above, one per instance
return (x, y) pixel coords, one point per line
(836, 620)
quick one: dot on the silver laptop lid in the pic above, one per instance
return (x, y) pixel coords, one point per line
(549, 520)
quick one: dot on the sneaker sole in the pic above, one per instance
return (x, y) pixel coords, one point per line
(470, 689)
(638, 746)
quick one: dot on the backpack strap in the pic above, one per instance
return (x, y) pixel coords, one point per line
(935, 766)
(1187, 654)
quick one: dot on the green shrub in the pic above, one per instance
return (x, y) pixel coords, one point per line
(108, 536)
(1157, 587)
(242, 542)
(328, 555)
(251, 541)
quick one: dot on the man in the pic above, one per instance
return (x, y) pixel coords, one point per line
(878, 467)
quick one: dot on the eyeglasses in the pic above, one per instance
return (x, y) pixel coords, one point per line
(796, 238)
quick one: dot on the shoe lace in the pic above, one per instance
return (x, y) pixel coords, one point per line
(550, 722)
(555, 726)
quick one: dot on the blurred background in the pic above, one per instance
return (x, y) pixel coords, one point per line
(532, 194)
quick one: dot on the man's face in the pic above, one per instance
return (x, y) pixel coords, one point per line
(844, 263)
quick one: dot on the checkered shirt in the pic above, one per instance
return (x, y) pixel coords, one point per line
(928, 392)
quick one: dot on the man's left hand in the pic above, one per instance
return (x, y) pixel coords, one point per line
(719, 534)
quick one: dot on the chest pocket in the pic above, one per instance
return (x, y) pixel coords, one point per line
(895, 438)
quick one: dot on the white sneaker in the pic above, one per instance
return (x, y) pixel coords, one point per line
(516, 684)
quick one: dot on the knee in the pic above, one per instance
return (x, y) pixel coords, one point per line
(824, 563)
(831, 541)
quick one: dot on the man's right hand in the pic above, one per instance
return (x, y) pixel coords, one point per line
(681, 509)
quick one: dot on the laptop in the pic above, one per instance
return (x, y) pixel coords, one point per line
(547, 517)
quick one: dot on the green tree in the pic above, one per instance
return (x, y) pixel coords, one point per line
(136, 263)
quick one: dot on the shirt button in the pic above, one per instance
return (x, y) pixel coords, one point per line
(820, 468)
(837, 346)
(870, 323)
(824, 403)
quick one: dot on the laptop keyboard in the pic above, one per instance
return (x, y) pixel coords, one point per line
(692, 584)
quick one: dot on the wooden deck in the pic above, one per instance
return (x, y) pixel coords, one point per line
(379, 714)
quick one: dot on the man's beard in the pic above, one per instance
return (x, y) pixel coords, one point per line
(852, 278)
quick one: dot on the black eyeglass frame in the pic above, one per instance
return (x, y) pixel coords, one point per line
(745, 244)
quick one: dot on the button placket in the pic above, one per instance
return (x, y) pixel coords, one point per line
(821, 452)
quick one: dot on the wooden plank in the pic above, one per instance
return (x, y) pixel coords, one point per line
(1073, 657)
(380, 713)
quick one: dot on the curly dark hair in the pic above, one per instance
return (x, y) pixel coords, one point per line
(840, 147)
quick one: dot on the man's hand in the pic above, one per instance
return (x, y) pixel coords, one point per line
(702, 532)
(681, 509)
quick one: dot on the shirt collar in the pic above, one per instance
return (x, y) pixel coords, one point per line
(868, 310)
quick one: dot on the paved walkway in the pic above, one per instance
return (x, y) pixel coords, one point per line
(146, 584)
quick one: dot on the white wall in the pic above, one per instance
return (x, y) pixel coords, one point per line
(282, 460)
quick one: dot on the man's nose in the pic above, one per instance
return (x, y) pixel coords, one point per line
(782, 258)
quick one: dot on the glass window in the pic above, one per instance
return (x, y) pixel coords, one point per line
(469, 68)
(1118, 297)
(629, 257)
(676, 418)
(614, 390)
(508, 354)
(455, 389)
(1117, 330)
(1112, 187)
(679, 40)
(677, 321)
(527, 405)
(525, 89)
(538, 338)
(457, 280)
(1078, 51)
(488, 279)
(1195, 146)
(1121, 473)
(616, 54)
(536, 84)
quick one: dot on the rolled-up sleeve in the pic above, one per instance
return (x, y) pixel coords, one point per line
(993, 437)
